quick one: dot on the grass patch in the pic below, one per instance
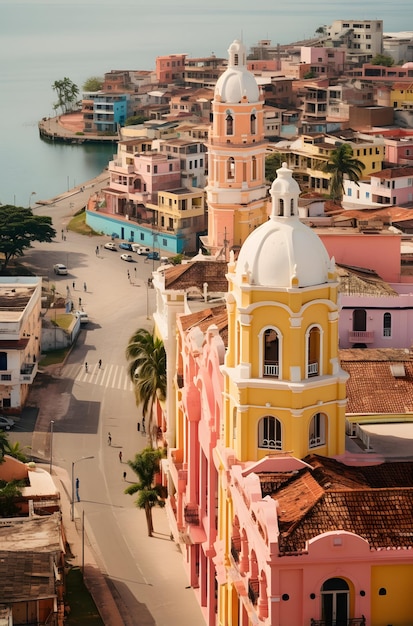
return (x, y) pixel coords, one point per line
(64, 320)
(54, 357)
(83, 611)
(78, 225)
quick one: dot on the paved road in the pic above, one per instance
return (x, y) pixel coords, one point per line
(146, 575)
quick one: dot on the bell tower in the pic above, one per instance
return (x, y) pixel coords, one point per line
(236, 190)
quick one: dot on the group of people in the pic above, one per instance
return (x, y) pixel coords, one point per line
(99, 367)
(120, 453)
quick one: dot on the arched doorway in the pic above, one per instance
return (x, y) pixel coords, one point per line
(335, 594)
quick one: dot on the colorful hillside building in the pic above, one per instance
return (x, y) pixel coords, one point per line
(236, 191)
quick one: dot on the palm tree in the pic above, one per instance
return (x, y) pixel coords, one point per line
(146, 465)
(340, 165)
(4, 445)
(147, 369)
(16, 450)
(9, 491)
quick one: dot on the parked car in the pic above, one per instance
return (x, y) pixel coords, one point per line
(124, 245)
(140, 249)
(110, 246)
(6, 422)
(126, 257)
(59, 268)
(153, 256)
(82, 315)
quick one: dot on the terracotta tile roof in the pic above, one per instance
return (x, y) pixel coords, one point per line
(374, 502)
(26, 576)
(357, 280)
(197, 273)
(394, 172)
(375, 384)
(203, 319)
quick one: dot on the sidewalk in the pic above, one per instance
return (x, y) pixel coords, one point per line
(82, 554)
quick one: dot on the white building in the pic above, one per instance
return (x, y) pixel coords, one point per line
(20, 336)
(362, 38)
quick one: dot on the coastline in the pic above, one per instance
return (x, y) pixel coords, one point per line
(68, 128)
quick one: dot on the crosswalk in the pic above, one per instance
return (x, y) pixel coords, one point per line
(109, 376)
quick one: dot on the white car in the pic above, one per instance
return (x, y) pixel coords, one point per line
(6, 422)
(110, 246)
(82, 315)
(59, 268)
(140, 249)
(126, 257)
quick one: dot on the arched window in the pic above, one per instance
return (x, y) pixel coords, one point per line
(387, 325)
(271, 353)
(269, 433)
(253, 123)
(281, 207)
(335, 595)
(292, 208)
(317, 432)
(236, 59)
(359, 320)
(254, 168)
(230, 124)
(313, 352)
(231, 168)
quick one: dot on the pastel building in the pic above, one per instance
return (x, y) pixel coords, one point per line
(391, 186)
(236, 191)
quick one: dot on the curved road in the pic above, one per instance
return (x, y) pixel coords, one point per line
(147, 575)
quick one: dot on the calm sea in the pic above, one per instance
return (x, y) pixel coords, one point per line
(45, 40)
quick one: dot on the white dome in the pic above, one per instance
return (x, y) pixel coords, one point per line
(237, 82)
(284, 252)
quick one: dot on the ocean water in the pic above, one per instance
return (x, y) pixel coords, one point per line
(45, 40)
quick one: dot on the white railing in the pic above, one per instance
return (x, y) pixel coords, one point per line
(271, 369)
(312, 369)
(271, 444)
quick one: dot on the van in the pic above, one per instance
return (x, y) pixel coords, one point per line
(82, 316)
(154, 256)
(140, 249)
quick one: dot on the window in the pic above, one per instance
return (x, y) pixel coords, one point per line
(253, 124)
(271, 353)
(230, 124)
(155, 169)
(254, 168)
(387, 325)
(317, 432)
(269, 433)
(231, 168)
(148, 168)
(313, 352)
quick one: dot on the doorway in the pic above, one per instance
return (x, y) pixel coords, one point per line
(335, 595)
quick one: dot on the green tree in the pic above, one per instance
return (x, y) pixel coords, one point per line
(146, 465)
(4, 445)
(341, 165)
(94, 83)
(147, 370)
(273, 162)
(321, 30)
(19, 228)
(134, 120)
(9, 491)
(67, 93)
(382, 59)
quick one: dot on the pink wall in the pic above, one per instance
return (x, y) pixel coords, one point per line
(379, 252)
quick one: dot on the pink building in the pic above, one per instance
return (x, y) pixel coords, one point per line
(323, 61)
(392, 186)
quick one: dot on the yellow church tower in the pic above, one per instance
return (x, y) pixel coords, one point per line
(236, 190)
(284, 388)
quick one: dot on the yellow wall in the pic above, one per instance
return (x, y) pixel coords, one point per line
(396, 607)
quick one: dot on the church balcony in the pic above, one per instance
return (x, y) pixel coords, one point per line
(312, 369)
(361, 336)
(271, 368)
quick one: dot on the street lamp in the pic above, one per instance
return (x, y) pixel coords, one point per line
(72, 510)
(33, 193)
(51, 446)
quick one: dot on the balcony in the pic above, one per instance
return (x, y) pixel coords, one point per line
(354, 621)
(361, 336)
(253, 591)
(191, 514)
(271, 369)
(312, 369)
(28, 373)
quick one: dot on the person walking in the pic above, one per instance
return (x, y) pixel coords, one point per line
(120, 456)
(73, 284)
(84, 287)
(128, 275)
(97, 250)
(77, 490)
(86, 367)
(80, 301)
(143, 426)
(124, 475)
(100, 363)
(109, 439)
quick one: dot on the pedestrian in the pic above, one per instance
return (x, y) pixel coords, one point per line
(143, 425)
(97, 250)
(86, 367)
(135, 270)
(100, 363)
(84, 287)
(67, 289)
(77, 490)
(80, 301)
(73, 284)
(124, 475)
(120, 456)
(128, 275)
(62, 233)
(109, 439)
